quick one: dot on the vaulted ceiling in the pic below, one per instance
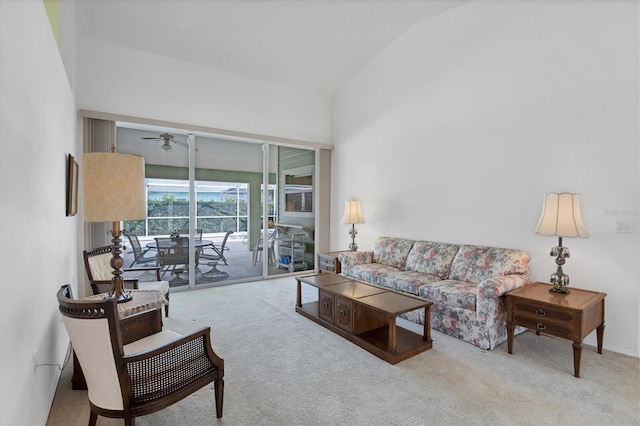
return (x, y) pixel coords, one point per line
(311, 45)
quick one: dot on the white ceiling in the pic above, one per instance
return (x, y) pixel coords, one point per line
(311, 45)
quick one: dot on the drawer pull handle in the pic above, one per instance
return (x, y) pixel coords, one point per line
(342, 312)
(326, 305)
(541, 326)
(541, 313)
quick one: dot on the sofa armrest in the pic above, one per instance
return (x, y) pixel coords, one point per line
(497, 286)
(350, 258)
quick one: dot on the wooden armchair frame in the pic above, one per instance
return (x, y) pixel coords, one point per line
(146, 380)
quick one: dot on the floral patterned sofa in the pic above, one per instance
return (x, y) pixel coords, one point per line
(465, 282)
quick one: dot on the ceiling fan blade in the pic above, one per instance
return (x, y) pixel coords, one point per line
(152, 139)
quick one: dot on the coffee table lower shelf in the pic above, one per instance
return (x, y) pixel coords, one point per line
(376, 341)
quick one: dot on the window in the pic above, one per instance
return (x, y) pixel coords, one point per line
(298, 190)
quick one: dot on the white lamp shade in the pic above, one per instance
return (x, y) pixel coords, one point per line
(113, 187)
(561, 216)
(352, 212)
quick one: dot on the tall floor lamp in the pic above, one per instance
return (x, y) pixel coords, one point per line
(352, 215)
(113, 191)
(561, 216)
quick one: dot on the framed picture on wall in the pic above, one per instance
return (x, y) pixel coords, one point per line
(72, 186)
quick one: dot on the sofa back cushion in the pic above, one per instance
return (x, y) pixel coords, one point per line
(476, 263)
(431, 258)
(392, 251)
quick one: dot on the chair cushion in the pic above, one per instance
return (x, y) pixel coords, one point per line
(161, 286)
(151, 342)
(100, 266)
(92, 344)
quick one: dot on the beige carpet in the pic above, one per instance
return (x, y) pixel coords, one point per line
(282, 369)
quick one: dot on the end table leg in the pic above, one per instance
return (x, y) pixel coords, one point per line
(577, 351)
(600, 337)
(510, 328)
(299, 295)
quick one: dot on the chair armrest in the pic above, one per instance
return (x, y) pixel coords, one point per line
(140, 325)
(170, 367)
(350, 258)
(146, 268)
(105, 286)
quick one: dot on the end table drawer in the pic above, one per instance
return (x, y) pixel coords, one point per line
(329, 267)
(344, 314)
(543, 311)
(329, 262)
(325, 306)
(559, 329)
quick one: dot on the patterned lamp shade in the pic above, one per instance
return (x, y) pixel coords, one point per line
(113, 187)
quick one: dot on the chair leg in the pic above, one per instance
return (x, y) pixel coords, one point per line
(219, 392)
(166, 307)
(93, 418)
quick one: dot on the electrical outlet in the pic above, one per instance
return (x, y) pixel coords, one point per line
(623, 225)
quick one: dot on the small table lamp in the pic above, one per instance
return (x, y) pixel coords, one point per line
(353, 215)
(114, 190)
(561, 216)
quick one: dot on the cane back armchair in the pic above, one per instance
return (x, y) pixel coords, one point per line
(141, 377)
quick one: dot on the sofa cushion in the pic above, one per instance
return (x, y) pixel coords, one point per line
(408, 281)
(431, 258)
(392, 251)
(477, 263)
(461, 294)
(373, 273)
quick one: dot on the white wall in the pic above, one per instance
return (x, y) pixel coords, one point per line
(123, 81)
(457, 129)
(39, 251)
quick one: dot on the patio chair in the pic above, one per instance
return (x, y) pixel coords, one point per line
(174, 252)
(97, 263)
(138, 252)
(218, 252)
(197, 236)
(259, 248)
(128, 380)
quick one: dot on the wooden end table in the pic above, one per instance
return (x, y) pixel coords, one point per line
(569, 316)
(329, 262)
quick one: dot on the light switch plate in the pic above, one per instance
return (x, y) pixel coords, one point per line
(623, 225)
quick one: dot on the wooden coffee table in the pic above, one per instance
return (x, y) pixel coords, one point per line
(366, 315)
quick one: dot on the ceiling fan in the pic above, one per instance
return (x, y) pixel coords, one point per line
(167, 139)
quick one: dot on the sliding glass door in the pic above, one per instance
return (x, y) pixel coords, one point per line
(247, 208)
